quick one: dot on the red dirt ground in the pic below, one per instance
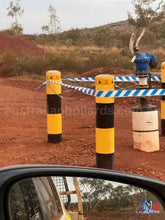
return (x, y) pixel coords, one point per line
(18, 45)
(23, 135)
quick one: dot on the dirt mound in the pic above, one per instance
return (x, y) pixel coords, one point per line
(18, 45)
(108, 70)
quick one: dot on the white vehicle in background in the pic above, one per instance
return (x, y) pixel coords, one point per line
(44, 199)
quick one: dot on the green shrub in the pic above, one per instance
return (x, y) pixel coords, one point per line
(75, 62)
(108, 60)
(7, 63)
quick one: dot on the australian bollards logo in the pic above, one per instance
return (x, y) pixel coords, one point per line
(147, 207)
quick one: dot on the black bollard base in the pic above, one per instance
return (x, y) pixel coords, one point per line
(105, 161)
(54, 138)
(163, 127)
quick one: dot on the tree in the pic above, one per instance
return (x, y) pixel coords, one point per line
(15, 11)
(147, 12)
(107, 196)
(94, 191)
(53, 26)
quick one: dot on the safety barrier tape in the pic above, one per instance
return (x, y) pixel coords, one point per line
(156, 78)
(43, 84)
(115, 93)
(84, 79)
(117, 79)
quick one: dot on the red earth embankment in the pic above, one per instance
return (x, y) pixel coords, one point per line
(17, 45)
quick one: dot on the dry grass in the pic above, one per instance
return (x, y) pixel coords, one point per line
(159, 51)
(62, 48)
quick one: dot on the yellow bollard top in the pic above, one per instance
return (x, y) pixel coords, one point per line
(52, 88)
(53, 75)
(163, 72)
(104, 82)
(104, 79)
(163, 63)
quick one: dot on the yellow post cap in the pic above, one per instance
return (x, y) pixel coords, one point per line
(163, 65)
(53, 75)
(53, 88)
(163, 72)
(104, 79)
(104, 82)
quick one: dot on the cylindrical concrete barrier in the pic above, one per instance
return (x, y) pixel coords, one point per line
(145, 127)
(54, 115)
(105, 138)
(163, 100)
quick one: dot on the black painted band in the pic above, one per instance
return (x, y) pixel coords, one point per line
(163, 85)
(53, 104)
(54, 138)
(105, 115)
(105, 161)
(147, 108)
(145, 131)
(163, 127)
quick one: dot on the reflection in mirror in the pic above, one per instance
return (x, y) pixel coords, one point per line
(81, 198)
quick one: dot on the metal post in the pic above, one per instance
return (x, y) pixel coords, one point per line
(54, 115)
(80, 204)
(105, 137)
(163, 100)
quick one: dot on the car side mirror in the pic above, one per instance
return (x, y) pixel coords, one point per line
(50, 193)
(81, 198)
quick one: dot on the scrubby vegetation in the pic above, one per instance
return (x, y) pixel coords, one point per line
(75, 62)
(79, 50)
(69, 60)
(117, 34)
(76, 51)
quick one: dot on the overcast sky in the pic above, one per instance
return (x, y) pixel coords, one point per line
(72, 13)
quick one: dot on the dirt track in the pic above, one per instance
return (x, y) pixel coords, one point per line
(23, 135)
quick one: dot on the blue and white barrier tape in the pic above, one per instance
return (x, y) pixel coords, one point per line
(117, 79)
(84, 79)
(156, 78)
(115, 93)
(43, 84)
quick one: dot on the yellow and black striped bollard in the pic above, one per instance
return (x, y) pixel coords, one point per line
(163, 100)
(54, 115)
(105, 137)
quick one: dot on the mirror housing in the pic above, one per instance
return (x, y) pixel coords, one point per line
(11, 175)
